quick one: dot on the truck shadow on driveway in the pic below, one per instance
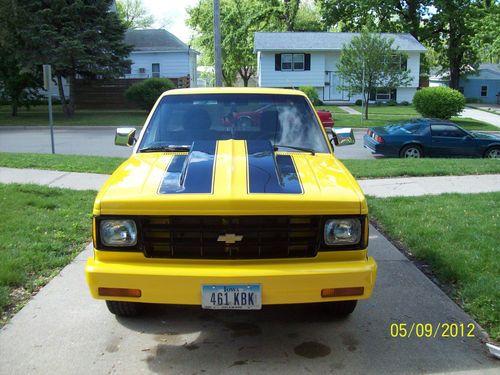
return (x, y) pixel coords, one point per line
(297, 339)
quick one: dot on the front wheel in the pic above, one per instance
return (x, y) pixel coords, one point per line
(125, 309)
(411, 151)
(493, 153)
(340, 308)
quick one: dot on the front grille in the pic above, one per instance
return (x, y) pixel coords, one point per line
(196, 237)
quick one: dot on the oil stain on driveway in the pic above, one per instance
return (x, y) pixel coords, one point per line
(62, 330)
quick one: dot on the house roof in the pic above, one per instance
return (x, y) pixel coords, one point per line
(321, 41)
(495, 68)
(155, 40)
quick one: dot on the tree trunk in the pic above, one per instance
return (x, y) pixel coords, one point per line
(14, 107)
(455, 56)
(62, 97)
(71, 81)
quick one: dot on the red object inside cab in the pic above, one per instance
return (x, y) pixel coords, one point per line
(326, 118)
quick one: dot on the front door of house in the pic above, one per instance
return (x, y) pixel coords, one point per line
(335, 92)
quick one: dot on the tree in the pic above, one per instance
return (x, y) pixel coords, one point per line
(308, 18)
(377, 15)
(452, 36)
(239, 20)
(133, 14)
(78, 38)
(370, 62)
(17, 83)
(486, 41)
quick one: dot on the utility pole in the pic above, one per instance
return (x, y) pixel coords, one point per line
(217, 44)
(47, 85)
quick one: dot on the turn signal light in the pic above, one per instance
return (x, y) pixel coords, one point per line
(342, 292)
(119, 292)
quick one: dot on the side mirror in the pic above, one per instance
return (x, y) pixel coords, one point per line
(343, 137)
(125, 137)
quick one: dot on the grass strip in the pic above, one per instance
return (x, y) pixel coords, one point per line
(458, 236)
(41, 231)
(372, 168)
(356, 121)
(384, 168)
(66, 163)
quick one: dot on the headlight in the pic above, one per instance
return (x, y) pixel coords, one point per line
(343, 231)
(118, 233)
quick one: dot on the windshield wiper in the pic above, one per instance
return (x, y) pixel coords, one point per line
(171, 148)
(276, 147)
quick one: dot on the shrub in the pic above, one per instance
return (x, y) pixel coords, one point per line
(146, 93)
(358, 102)
(392, 103)
(311, 93)
(404, 103)
(439, 102)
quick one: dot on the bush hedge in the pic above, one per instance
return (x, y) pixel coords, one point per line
(439, 102)
(311, 93)
(146, 93)
(358, 102)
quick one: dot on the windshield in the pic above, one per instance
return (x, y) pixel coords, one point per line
(286, 121)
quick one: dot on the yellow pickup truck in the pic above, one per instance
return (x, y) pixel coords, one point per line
(232, 199)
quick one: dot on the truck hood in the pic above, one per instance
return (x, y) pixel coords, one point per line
(230, 177)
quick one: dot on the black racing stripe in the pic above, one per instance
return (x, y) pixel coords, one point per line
(192, 173)
(270, 173)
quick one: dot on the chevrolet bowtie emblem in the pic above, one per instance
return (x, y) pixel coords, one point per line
(229, 238)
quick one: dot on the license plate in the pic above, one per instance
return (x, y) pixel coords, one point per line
(231, 297)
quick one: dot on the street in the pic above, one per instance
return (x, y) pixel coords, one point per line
(99, 141)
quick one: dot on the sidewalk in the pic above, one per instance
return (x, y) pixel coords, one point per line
(479, 115)
(382, 187)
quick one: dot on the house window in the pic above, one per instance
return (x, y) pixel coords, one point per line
(286, 61)
(295, 61)
(398, 61)
(298, 61)
(383, 94)
(155, 69)
(484, 90)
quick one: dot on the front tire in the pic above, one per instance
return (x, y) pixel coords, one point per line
(411, 152)
(125, 309)
(340, 308)
(492, 153)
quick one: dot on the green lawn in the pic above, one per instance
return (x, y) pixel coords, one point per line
(355, 121)
(381, 168)
(381, 110)
(41, 231)
(38, 115)
(383, 115)
(67, 163)
(458, 236)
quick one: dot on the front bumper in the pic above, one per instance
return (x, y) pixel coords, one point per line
(282, 281)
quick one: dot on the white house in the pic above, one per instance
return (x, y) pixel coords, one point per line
(294, 59)
(158, 53)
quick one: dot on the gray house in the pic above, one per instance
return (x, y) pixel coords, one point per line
(158, 53)
(293, 59)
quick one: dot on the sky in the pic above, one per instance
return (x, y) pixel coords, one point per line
(175, 12)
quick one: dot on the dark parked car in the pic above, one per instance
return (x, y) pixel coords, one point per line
(421, 137)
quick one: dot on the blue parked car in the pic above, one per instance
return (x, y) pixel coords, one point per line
(421, 137)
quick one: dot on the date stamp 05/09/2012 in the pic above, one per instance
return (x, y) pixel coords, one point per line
(429, 330)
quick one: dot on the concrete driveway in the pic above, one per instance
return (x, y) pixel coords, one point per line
(63, 331)
(99, 141)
